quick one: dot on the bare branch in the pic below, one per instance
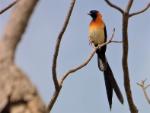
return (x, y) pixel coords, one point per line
(53, 100)
(17, 25)
(142, 85)
(8, 7)
(114, 6)
(125, 47)
(114, 41)
(141, 11)
(59, 38)
(129, 6)
(86, 61)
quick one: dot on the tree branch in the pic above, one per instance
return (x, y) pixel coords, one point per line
(114, 41)
(56, 51)
(129, 6)
(86, 61)
(16, 26)
(8, 7)
(53, 100)
(55, 56)
(114, 6)
(125, 48)
(142, 85)
(141, 11)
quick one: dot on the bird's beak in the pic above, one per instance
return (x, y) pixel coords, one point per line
(89, 13)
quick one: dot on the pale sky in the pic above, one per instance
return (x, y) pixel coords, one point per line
(84, 91)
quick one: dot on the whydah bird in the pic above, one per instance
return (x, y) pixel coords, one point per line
(97, 36)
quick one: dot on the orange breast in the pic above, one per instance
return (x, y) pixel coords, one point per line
(96, 32)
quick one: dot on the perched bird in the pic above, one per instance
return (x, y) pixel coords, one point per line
(97, 36)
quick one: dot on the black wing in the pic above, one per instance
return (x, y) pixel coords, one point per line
(105, 33)
(103, 49)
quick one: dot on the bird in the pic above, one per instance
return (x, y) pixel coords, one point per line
(98, 36)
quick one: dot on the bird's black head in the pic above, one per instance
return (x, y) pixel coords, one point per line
(93, 14)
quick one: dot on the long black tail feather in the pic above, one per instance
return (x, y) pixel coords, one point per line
(110, 81)
(109, 75)
(109, 90)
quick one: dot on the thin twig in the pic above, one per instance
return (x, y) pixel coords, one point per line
(142, 85)
(114, 6)
(114, 41)
(86, 61)
(80, 66)
(8, 7)
(141, 11)
(56, 51)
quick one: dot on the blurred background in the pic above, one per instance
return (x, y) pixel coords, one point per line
(84, 91)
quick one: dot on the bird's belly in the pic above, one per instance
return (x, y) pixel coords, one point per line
(97, 36)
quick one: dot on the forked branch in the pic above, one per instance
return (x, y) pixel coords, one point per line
(55, 57)
(144, 87)
(56, 51)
